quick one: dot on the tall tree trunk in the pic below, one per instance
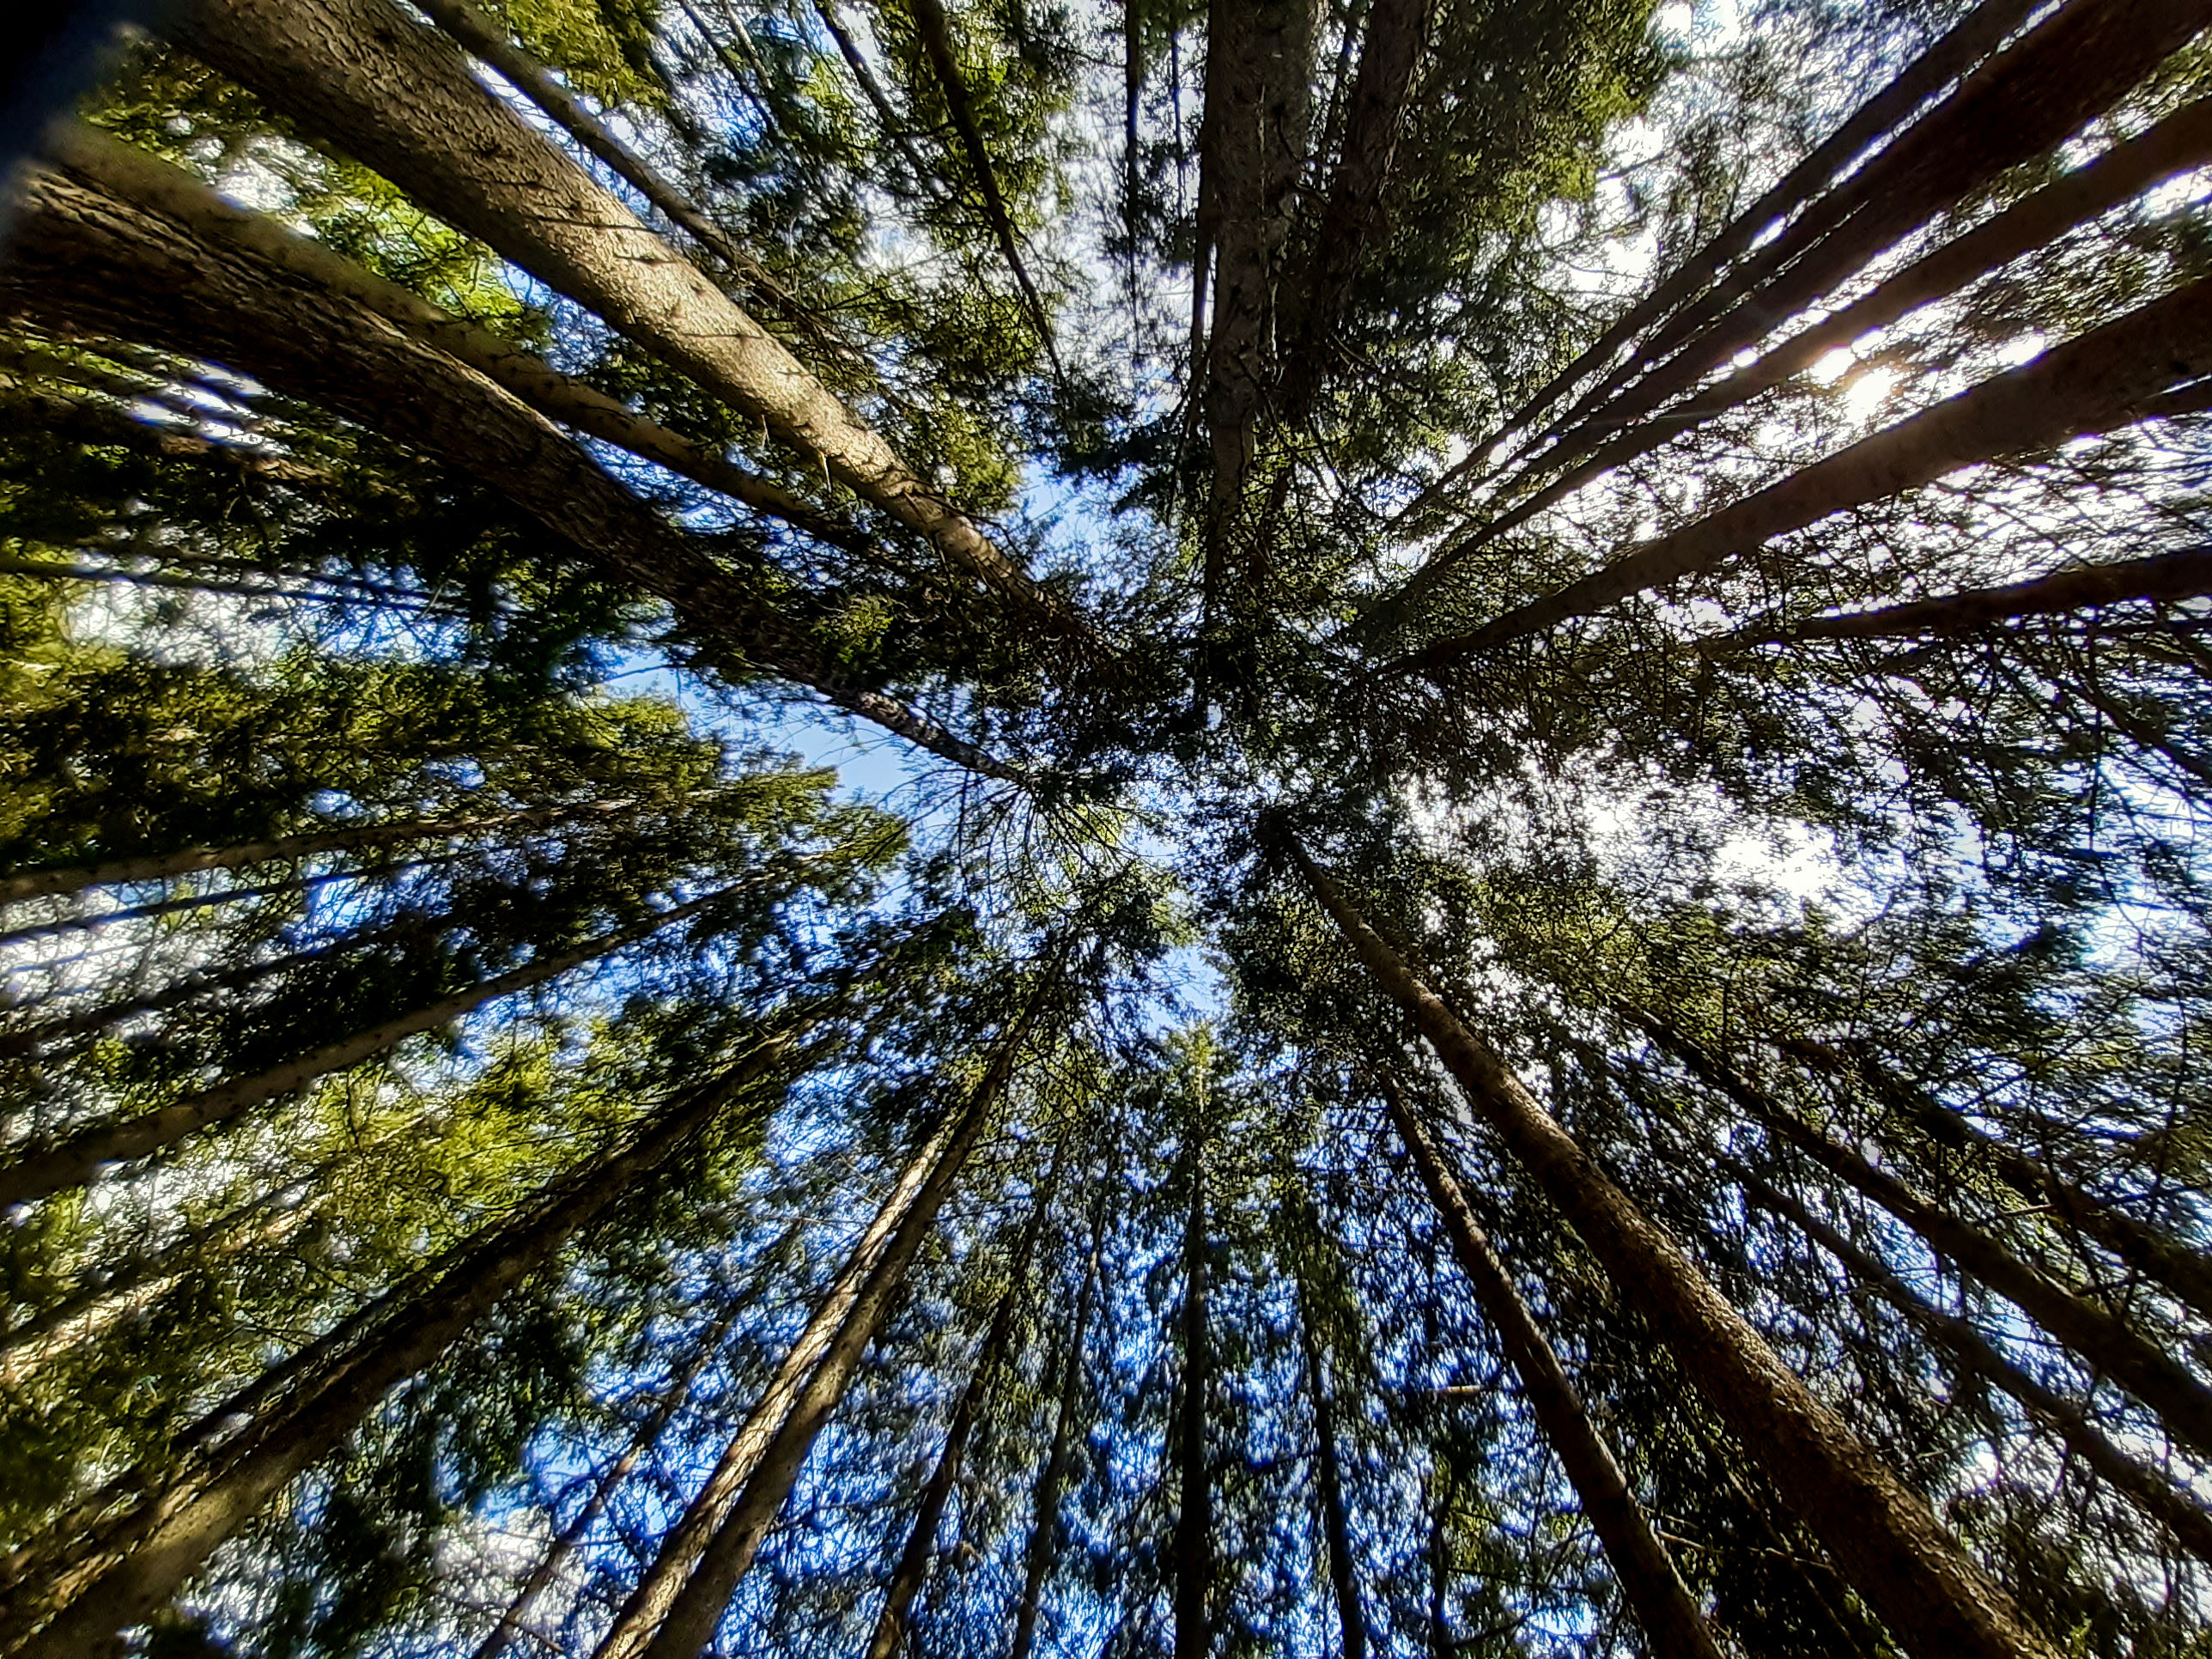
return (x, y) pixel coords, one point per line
(890, 1636)
(66, 1595)
(359, 73)
(2141, 1366)
(2094, 383)
(503, 1635)
(1044, 1521)
(1335, 1526)
(1937, 1603)
(2155, 1494)
(155, 262)
(1671, 1622)
(74, 1159)
(2160, 579)
(1194, 1533)
(673, 1613)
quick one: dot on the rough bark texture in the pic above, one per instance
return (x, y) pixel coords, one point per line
(1937, 1604)
(85, 255)
(2154, 1492)
(1194, 1531)
(401, 99)
(2094, 383)
(2114, 1346)
(73, 1600)
(1663, 1605)
(913, 1568)
(75, 1159)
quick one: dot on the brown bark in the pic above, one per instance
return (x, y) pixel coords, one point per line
(1194, 1531)
(1936, 1601)
(65, 1597)
(359, 73)
(1663, 1605)
(2134, 1362)
(2160, 579)
(2186, 1272)
(913, 1568)
(1258, 65)
(1044, 1522)
(2094, 383)
(673, 1611)
(84, 254)
(2148, 1488)
(75, 1159)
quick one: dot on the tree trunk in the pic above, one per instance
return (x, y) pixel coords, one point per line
(502, 1634)
(159, 262)
(75, 1159)
(359, 73)
(65, 1598)
(1194, 1533)
(2185, 1271)
(1663, 1604)
(2094, 383)
(890, 1636)
(1937, 1603)
(673, 1613)
(2141, 1366)
(1336, 1531)
(1044, 1522)
(2161, 579)
(2151, 1491)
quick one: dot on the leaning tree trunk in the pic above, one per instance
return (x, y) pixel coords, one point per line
(65, 1597)
(673, 1611)
(2150, 1491)
(1937, 1603)
(1663, 1604)
(1044, 1519)
(2116, 1348)
(1194, 1533)
(890, 1631)
(75, 1159)
(362, 75)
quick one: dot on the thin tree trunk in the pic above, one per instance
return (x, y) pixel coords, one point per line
(2141, 1366)
(907, 1578)
(1671, 1622)
(65, 1597)
(87, 252)
(1937, 1603)
(75, 1159)
(2149, 1489)
(360, 73)
(1044, 1521)
(673, 1611)
(188, 860)
(503, 1635)
(1336, 1531)
(1194, 1533)
(2160, 579)
(2094, 383)
(2185, 1271)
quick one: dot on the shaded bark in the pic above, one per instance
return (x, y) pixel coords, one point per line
(87, 254)
(1936, 1601)
(1194, 1531)
(2148, 1488)
(74, 1159)
(1663, 1605)
(1044, 1522)
(67, 1595)
(2133, 1361)
(1335, 1526)
(361, 74)
(2094, 383)
(913, 1568)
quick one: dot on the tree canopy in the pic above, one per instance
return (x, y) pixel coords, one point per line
(985, 827)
